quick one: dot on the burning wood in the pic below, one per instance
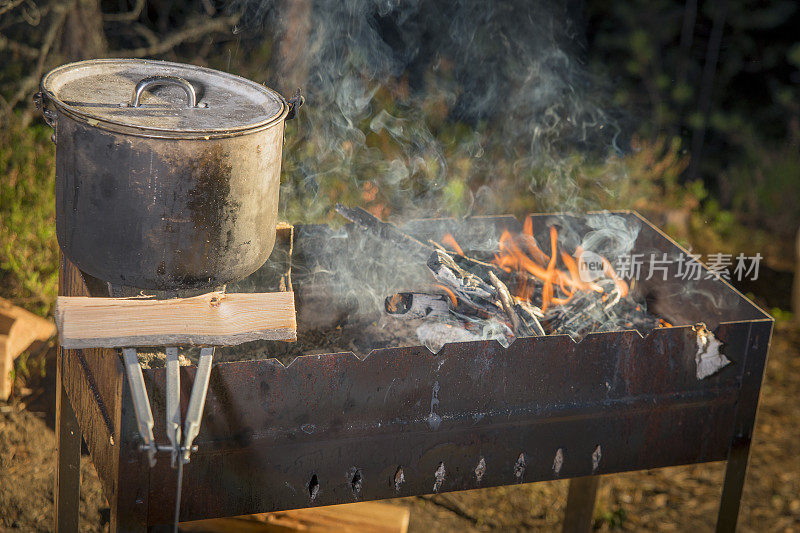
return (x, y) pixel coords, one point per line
(520, 291)
(409, 305)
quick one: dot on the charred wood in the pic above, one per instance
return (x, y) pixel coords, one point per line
(390, 232)
(520, 328)
(415, 305)
(527, 313)
(384, 230)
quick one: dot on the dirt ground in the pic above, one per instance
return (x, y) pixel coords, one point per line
(669, 499)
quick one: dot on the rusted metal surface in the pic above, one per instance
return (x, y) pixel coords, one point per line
(579, 513)
(268, 429)
(66, 493)
(758, 342)
(334, 429)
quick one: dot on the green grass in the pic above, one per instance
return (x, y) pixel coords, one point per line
(28, 247)
(612, 518)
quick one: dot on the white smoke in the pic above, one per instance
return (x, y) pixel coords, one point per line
(443, 107)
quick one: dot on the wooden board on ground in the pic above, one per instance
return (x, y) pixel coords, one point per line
(216, 318)
(18, 330)
(366, 517)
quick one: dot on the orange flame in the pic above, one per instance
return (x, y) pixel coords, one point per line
(450, 293)
(449, 240)
(519, 254)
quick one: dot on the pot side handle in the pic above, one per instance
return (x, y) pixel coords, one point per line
(295, 103)
(40, 100)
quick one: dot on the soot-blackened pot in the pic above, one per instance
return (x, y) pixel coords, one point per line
(167, 175)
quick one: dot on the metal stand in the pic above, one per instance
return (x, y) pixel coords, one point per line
(181, 453)
(68, 449)
(95, 383)
(735, 472)
(739, 451)
(579, 514)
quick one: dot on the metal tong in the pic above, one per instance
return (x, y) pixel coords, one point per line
(180, 445)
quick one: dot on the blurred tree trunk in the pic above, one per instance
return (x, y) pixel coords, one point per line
(83, 36)
(289, 66)
(796, 284)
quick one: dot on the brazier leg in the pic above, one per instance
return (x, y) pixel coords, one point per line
(579, 514)
(129, 503)
(735, 473)
(739, 452)
(68, 448)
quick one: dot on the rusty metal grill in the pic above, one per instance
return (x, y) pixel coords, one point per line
(333, 428)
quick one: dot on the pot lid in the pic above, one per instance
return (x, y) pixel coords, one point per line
(161, 99)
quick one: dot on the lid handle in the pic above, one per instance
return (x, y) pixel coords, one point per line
(152, 81)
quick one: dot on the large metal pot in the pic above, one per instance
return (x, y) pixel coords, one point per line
(167, 175)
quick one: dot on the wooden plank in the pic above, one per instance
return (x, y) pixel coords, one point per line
(215, 318)
(367, 517)
(18, 330)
